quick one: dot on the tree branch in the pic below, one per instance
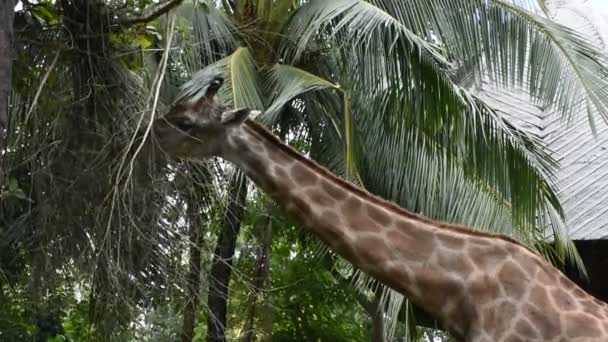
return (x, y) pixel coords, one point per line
(7, 13)
(150, 13)
(229, 6)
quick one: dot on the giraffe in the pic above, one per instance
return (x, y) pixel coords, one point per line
(480, 286)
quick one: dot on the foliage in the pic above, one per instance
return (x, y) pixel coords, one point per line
(298, 277)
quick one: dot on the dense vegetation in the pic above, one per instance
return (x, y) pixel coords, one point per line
(100, 242)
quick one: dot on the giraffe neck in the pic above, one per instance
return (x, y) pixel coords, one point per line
(395, 249)
(455, 274)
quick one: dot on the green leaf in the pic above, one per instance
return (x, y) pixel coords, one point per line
(46, 13)
(143, 40)
(243, 82)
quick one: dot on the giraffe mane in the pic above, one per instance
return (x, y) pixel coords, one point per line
(388, 205)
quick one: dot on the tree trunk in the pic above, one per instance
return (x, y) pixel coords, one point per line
(262, 271)
(193, 279)
(374, 307)
(266, 326)
(376, 313)
(221, 267)
(7, 13)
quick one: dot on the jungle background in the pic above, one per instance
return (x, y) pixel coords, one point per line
(98, 242)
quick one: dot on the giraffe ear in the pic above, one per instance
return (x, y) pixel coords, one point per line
(236, 116)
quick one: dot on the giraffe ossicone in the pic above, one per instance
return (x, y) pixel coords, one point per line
(480, 286)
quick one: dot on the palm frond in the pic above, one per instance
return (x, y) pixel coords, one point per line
(286, 83)
(243, 80)
(398, 82)
(359, 16)
(197, 86)
(513, 46)
(205, 36)
(213, 34)
(544, 6)
(241, 84)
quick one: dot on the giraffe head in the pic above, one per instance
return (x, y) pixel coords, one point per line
(198, 129)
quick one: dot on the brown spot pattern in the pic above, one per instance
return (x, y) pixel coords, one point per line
(545, 320)
(512, 280)
(363, 224)
(455, 264)
(580, 325)
(279, 156)
(483, 289)
(480, 241)
(352, 206)
(319, 198)
(331, 237)
(334, 191)
(379, 215)
(271, 186)
(438, 288)
(565, 282)
(599, 302)
(409, 247)
(420, 234)
(459, 314)
(348, 252)
(486, 258)
(256, 164)
(302, 208)
(591, 307)
(562, 299)
(302, 175)
(506, 311)
(451, 241)
(580, 293)
(331, 228)
(524, 328)
(545, 277)
(356, 217)
(282, 186)
(539, 297)
(372, 250)
(404, 276)
(281, 173)
(256, 147)
(488, 319)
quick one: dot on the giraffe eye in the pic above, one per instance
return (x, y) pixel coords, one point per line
(184, 125)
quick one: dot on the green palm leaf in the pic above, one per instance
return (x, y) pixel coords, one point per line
(399, 81)
(287, 83)
(241, 83)
(513, 46)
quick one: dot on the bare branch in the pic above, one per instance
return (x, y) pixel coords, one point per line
(41, 86)
(228, 6)
(150, 13)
